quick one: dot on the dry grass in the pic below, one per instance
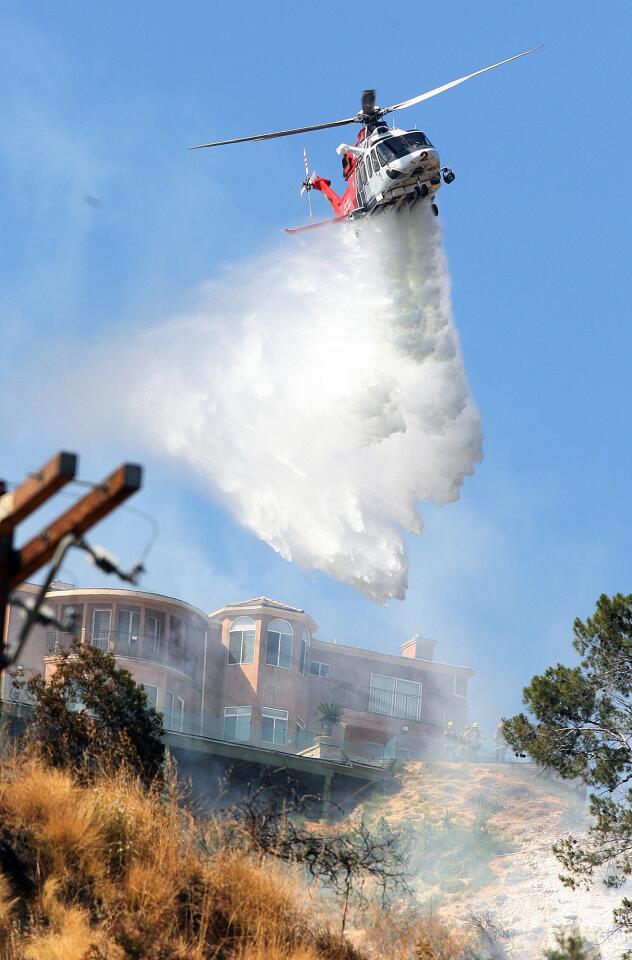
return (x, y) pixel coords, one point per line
(404, 932)
(108, 871)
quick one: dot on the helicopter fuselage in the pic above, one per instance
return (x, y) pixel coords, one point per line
(386, 167)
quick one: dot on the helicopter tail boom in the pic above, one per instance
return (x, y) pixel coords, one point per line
(320, 183)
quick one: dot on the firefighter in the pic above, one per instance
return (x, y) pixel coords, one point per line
(500, 744)
(472, 739)
(450, 740)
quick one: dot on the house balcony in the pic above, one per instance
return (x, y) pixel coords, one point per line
(133, 647)
(380, 703)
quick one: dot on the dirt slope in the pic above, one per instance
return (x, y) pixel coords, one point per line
(481, 837)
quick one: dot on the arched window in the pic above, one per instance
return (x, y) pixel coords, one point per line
(241, 640)
(279, 644)
(305, 644)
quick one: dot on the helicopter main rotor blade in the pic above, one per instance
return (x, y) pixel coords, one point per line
(453, 83)
(279, 133)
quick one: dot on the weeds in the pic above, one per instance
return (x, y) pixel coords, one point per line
(455, 855)
(108, 870)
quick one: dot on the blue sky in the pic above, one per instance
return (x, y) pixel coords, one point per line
(107, 222)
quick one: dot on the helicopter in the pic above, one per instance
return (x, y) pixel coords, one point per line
(386, 168)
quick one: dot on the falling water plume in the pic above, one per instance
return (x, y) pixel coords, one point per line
(320, 392)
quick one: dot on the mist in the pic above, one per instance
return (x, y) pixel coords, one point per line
(319, 392)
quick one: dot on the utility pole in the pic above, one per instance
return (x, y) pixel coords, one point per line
(17, 564)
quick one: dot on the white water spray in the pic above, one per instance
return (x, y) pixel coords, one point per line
(319, 389)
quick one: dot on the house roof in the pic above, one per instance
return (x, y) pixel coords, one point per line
(263, 602)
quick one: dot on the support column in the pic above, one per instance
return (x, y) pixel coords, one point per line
(324, 817)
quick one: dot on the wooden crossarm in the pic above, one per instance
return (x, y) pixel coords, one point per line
(39, 487)
(96, 504)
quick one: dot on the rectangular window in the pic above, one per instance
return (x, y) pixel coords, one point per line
(152, 694)
(395, 697)
(319, 669)
(127, 627)
(241, 646)
(273, 725)
(101, 622)
(300, 740)
(460, 686)
(101, 626)
(72, 613)
(177, 633)
(237, 723)
(153, 631)
(278, 649)
(168, 711)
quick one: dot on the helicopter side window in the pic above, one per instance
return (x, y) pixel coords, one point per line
(374, 162)
(383, 154)
(361, 183)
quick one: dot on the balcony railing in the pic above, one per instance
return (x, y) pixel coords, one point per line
(135, 646)
(393, 704)
(388, 703)
(249, 732)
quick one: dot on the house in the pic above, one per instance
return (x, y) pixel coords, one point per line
(254, 672)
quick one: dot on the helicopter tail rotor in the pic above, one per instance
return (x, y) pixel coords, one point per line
(308, 183)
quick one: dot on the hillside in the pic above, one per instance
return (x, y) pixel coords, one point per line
(481, 837)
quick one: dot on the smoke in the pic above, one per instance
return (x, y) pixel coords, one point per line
(320, 393)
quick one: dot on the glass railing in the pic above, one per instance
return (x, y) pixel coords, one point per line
(393, 704)
(135, 646)
(249, 733)
(389, 703)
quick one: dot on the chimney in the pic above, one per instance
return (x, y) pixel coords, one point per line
(418, 647)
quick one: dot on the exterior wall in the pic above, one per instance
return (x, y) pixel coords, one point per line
(259, 684)
(172, 662)
(191, 662)
(349, 686)
(31, 659)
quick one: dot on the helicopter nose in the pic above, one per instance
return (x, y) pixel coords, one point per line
(425, 159)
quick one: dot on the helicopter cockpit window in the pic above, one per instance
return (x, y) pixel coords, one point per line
(383, 156)
(395, 147)
(418, 139)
